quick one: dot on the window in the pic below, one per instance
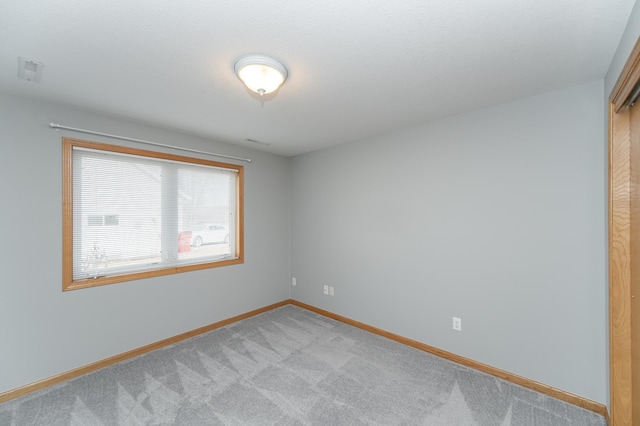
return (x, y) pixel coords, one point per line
(130, 214)
(103, 220)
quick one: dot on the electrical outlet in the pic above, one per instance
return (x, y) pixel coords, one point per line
(326, 289)
(457, 324)
(293, 281)
(331, 292)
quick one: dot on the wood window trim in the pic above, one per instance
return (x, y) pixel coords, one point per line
(68, 282)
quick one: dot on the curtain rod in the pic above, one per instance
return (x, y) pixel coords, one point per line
(59, 126)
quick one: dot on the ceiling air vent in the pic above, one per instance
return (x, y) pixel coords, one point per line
(258, 142)
(30, 70)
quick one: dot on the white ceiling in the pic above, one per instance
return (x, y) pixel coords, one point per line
(356, 68)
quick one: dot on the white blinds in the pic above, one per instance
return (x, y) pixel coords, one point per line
(134, 213)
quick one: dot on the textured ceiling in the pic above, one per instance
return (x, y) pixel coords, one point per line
(356, 68)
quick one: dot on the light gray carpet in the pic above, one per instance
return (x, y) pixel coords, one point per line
(290, 366)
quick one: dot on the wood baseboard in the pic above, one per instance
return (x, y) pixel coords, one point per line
(505, 375)
(72, 374)
(513, 378)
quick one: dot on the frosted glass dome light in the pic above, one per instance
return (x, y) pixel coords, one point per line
(260, 74)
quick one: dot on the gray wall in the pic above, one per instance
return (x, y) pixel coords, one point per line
(495, 216)
(44, 331)
(625, 46)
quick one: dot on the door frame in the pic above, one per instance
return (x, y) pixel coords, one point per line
(624, 239)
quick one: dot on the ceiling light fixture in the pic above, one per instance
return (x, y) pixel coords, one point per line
(260, 74)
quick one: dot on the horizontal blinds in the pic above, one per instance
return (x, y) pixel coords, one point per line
(134, 213)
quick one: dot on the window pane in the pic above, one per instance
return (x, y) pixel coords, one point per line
(107, 183)
(94, 220)
(111, 219)
(207, 219)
